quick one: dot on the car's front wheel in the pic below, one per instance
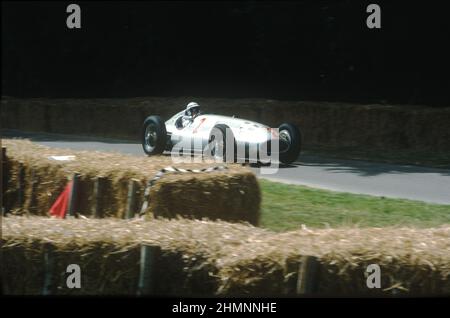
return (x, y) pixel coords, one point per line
(154, 135)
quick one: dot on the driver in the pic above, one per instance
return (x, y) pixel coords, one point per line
(192, 111)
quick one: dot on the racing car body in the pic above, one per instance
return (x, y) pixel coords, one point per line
(218, 134)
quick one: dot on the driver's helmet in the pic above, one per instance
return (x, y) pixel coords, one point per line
(192, 110)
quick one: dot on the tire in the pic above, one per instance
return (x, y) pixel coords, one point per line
(221, 130)
(154, 136)
(295, 139)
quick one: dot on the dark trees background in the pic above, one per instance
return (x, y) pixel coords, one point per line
(318, 50)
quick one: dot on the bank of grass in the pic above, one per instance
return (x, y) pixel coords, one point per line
(286, 207)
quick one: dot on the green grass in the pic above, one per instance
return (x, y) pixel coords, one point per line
(286, 207)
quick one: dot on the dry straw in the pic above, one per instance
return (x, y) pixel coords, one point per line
(231, 195)
(201, 257)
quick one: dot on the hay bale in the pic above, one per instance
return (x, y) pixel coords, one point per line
(236, 189)
(413, 262)
(218, 195)
(107, 251)
(206, 258)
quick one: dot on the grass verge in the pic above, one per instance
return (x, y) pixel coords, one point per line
(286, 207)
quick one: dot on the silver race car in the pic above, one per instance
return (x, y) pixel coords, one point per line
(221, 137)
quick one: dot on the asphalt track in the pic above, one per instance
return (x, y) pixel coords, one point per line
(379, 179)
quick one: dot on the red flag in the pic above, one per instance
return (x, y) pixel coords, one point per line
(59, 208)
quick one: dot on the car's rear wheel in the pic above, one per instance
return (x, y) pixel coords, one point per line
(290, 135)
(154, 136)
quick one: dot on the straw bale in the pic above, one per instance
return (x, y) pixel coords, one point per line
(231, 197)
(201, 257)
(107, 251)
(235, 190)
(412, 261)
